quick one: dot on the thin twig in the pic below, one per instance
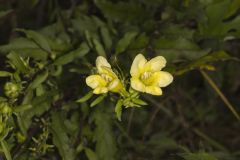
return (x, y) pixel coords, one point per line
(220, 93)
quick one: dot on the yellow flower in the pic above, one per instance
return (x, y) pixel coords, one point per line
(147, 75)
(106, 80)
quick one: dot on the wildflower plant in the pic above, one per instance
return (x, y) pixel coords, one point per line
(146, 77)
(118, 55)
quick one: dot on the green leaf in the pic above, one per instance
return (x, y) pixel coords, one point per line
(130, 11)
(18, 62)
(203, 61)
(214, 25)
(22, 108)
(5, 74)
(86, 97)
(38, 38)
(6, 150)
(40, 105)
(38, 80)
(139, 101)
(103, 135)
(97, 100)
(69, 57)
(233, 8)
(106, 37)
(99, 48)
(90, 154)
(125, 41)
(198, 156)
(25, 48)
(118, 109)
(140, 42)
(60, 138)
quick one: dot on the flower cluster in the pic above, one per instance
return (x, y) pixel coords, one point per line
(146, 77)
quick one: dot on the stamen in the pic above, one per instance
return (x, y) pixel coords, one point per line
(106, 77)
(145, 75)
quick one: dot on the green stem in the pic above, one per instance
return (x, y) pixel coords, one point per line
(220, 93)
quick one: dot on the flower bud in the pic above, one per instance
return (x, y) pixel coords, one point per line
(11, 89)
(5, 108)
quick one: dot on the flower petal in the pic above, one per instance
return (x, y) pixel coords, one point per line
(137, 65)
(108, 71)
(156, 64)
(163, 78)
(137, 85)
(95, 81)
(154, 90)
(102, 62)
(115, 86)
(100, 90)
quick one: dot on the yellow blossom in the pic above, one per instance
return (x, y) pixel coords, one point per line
(106, 80)
(147, 75)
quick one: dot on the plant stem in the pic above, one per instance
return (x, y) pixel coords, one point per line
(219, 92)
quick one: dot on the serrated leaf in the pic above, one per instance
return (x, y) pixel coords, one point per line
(60, 138)
(69, 57)
(97, 100)
(118, 109)
(37, 38)
(124, 42)
(86, 97)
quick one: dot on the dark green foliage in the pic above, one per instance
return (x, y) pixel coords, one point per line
(49, 47)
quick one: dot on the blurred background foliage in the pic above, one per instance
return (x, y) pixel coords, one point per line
(48, 47)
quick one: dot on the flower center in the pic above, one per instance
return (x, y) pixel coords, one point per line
(106, 77)
(147, 78)
(145, 75)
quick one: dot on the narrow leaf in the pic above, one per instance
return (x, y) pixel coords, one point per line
(118, 109)
(60, 138)
(69, 57)
(22, 108)
(106, 37)
(90, 154)
(18, 62)
(5, 74)
(97, 100)
(99, 48)
(86, 97)
(38, 80)
(6, 150)
(38, 38)
(125, 42)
